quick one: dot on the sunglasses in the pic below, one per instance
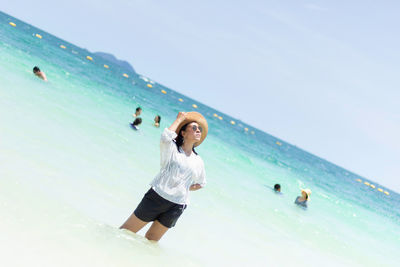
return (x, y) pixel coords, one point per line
(194, 127)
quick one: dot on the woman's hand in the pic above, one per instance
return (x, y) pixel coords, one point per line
(195, 187)
(179, 118)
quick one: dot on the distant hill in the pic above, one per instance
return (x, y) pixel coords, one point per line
(122, 63)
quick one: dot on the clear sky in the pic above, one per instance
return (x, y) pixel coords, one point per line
(322, 75)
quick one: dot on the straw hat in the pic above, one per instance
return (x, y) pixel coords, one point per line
(201, 121)
(307, 191)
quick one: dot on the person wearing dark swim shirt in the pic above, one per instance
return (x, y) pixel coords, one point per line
(304, 198)
(136, 123)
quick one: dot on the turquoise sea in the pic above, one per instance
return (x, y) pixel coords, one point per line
(72, 170)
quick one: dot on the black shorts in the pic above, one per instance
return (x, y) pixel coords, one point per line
(154, 207)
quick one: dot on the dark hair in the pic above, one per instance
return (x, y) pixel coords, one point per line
(277, 187)
(137, 121)
(159, 118)
(138, 108)
(179, 138)
(36, 69)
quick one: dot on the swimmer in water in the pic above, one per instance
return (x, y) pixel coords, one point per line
(304, 198)
(136, 123)
(39, 73)
(277, 188)
(157, 121)
(137, 112)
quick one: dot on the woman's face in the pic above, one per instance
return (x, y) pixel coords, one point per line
(156, 119)
(192, 132)
(304, 194)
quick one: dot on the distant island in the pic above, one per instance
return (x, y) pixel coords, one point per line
(122, 63)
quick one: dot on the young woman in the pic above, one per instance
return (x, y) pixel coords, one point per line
(182, 170)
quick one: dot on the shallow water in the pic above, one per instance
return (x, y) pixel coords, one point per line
(72, 171)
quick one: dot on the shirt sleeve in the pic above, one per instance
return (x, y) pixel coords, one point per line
(201, 179)
(166, 146)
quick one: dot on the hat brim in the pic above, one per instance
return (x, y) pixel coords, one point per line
(307, 191)
(194, 116)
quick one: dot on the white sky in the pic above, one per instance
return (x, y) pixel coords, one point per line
(322, 75)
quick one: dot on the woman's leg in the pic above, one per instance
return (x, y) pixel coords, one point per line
(133, 224)
(156, 231)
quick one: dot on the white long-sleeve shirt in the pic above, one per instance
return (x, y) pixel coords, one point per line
(178, 171)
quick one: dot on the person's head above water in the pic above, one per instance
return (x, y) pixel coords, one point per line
(277, 188)
(36, 69)
(137, 112)
(157, 120)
